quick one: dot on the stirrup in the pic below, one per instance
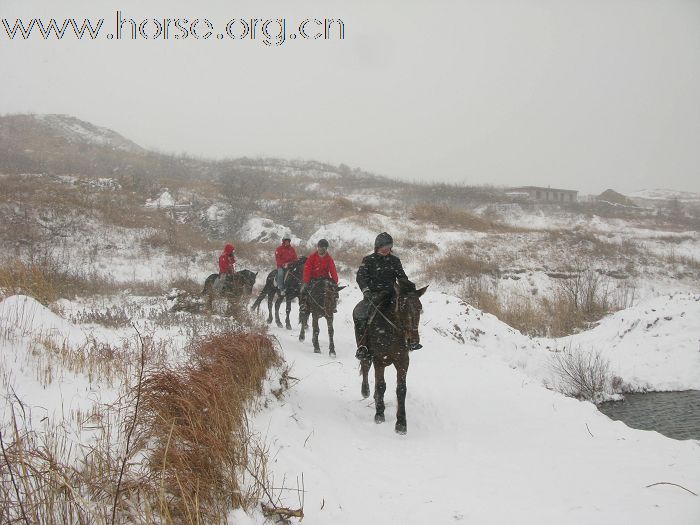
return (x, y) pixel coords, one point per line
(362, 352)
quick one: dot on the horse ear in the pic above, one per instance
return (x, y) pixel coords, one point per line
(255, 274)
(341, 287)
(421, 291)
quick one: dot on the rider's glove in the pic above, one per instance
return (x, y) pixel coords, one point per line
(367, 294)
(303, 287)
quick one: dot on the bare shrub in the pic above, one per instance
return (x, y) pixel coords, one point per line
(582, 374)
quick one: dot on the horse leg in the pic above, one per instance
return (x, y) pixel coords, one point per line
(365, 365)
(379, 389)
(303, 321)
(316, 330)
(270, 296)
(287, 324)
(278, 302)
(401, 373)
(331, 345)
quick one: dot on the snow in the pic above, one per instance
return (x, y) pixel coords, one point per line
(22, 316)
(260, 229)
(165, 200)
(665, 194)
(486, 442)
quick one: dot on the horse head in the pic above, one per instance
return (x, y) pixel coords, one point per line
(324, 295)
(407, 309)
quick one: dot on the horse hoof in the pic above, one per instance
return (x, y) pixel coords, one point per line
(317, 350)
(400, 428)
(280, 325)
(288, 326)
(301, 338)
(331, 353)
(365, 391)
(379, 418)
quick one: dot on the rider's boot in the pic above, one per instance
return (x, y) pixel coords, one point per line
(362, 351)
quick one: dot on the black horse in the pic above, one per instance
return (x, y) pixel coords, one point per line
(292, 285)
(234, 286)
(319, 300)
(391, 332)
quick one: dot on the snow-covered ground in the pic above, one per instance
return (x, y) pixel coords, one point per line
(487, 442)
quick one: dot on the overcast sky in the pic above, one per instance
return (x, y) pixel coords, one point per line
(580, 94)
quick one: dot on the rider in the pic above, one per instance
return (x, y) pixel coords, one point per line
(227, 264)
(375, 277)
(319, 264)
(284, 256)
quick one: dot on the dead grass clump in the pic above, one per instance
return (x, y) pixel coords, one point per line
(174, 449)
(177, 239)
(47, 280)
(197, 421)
(457, 266)
(575, 303)
(457, 219)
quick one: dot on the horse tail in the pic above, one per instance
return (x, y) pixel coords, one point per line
(208, 283)
(269, 284)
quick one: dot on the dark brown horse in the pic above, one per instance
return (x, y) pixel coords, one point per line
(292, 284)
(319, 300)
(391, 332)
(233, 287)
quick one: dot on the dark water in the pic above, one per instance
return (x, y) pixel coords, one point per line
(674, 414)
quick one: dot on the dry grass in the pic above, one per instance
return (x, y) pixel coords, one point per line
(196, 418)
(47, 280)
(457, 266)
(574, 304)
(175, 449)
(446, 217)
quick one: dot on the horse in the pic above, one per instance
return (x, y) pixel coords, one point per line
(391, 332)
(320, 300)
(234, 287)
(292, 284)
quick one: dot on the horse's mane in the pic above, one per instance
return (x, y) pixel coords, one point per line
(406, 287)
(299, 262)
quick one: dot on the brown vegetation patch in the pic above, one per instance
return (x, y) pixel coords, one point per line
(46, 280)
(446, 217)
(457, 266)
(196, 421)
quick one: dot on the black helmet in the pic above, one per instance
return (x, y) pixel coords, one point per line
(322, 243)
(383, 239)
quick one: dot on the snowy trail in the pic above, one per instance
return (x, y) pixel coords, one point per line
(485, 444)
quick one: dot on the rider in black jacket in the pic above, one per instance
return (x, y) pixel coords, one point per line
(375, 277)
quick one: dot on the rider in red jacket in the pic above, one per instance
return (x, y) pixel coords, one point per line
(320, 264)
(285, 254)
(227, 260)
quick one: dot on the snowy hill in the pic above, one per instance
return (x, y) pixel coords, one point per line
(665, 194)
